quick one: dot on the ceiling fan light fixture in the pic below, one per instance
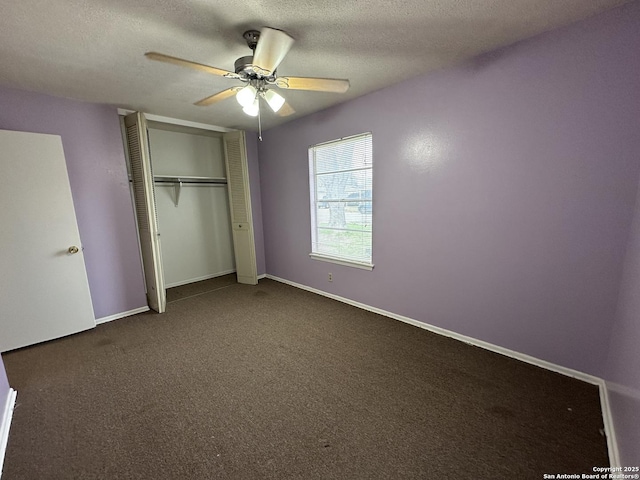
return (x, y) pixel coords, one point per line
(274, 99)
(246, 96)
(252, 109)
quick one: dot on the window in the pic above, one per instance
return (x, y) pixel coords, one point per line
(340, 177)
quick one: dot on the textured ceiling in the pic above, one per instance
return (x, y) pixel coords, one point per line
(93, 49)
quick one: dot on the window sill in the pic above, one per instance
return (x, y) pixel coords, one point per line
(342, 261)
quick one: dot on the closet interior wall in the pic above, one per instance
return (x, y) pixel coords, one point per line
(193, 220)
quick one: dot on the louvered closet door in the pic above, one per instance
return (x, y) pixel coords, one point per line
(144, 198)
(240, 204)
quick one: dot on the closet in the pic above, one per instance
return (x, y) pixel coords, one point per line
(192, 204)
(192, 200)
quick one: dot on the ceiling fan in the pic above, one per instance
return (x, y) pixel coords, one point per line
(258, 73)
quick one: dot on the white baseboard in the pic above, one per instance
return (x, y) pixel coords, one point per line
(117, 316)
(609, 431)
(612, 444)
(5, 424)
(199, 279)
(260, 277)
(457, 336)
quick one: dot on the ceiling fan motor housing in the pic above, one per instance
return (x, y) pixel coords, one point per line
(248, 71)
(244, 65)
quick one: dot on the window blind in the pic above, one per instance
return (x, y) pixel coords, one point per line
(341, 187)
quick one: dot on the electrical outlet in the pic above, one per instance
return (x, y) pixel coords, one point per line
(331, 277)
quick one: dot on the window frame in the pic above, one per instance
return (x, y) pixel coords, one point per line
(314, 202)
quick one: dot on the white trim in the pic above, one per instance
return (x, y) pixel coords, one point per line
(329, 142)
(260, 277)
(6, 424)
(177, 121)
(609, 430)
(116, 316)
(612, 443)
(341, 261)
(199, 279)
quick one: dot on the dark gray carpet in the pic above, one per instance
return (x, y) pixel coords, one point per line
(198, 288)
(271, 382)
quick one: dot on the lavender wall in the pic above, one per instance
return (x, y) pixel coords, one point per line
(97, 172)
(256, 205)
(504, 192)
(623, 375)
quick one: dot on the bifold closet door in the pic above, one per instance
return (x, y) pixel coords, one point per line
(144, 199)
(240, 205)
(44, 290)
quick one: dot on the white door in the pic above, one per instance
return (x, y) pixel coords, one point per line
(240, 204)
(44, 292)
(145, 202)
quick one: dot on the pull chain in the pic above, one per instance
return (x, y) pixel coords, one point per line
(259, 124)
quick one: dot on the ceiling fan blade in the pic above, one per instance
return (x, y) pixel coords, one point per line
(285, 110)
(218, 97)
(335, 85)
(160, 57)
(272, 47)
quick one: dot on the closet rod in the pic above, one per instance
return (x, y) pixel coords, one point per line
(178, 182)
(190, 180)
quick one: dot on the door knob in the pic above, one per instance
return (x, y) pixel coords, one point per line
(73, 249)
